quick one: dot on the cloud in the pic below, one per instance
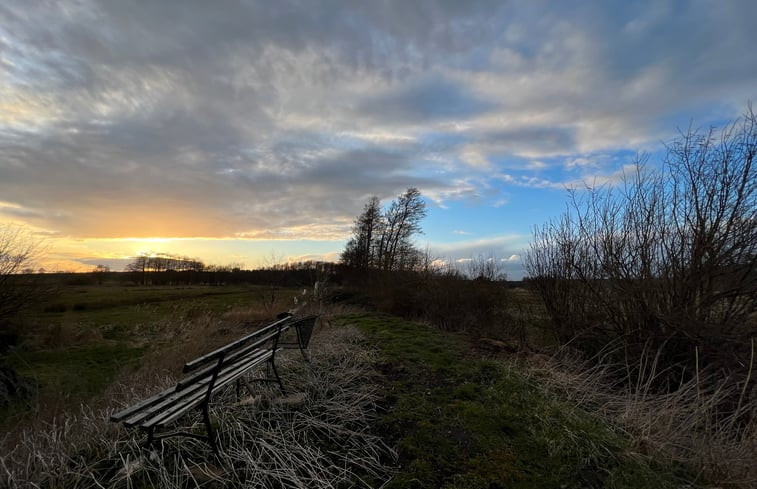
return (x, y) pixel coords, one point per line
(507, 250)
(322, 232)
(497, 246)
(431, 100)
(259, 119)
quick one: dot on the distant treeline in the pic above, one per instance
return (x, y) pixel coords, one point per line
(290, 275)
(294, 274)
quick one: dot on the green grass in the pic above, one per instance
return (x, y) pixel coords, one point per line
(117, 309)
(83, 371)
(73, 344)
(79, 315)
(464, 422)
(66, 377)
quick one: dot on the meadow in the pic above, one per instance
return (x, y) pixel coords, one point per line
(390, 400)
(75, 342)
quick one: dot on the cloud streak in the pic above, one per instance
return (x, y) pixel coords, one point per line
(270, 120)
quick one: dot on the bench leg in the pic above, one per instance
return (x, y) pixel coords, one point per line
(276, 374)
(150, 437)
(304, 353)
(209, 429)
(300, 343)
(247, 385)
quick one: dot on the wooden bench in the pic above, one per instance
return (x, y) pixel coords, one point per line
(210, 373)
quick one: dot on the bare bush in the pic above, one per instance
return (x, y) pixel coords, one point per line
(668, 259)
(18, 251)
(450, 301)
(486, 267)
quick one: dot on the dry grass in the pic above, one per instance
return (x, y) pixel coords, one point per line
(321, 439)
(688, 424)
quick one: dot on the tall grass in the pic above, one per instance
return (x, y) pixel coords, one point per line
(696, 423)
(319, 438)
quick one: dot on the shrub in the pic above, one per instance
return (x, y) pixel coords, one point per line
(667, 261)
(449, 301)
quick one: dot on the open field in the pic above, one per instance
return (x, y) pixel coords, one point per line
(74, 344)
(390, 402)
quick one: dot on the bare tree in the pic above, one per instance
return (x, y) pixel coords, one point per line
(18, 250)
(401, 221)
(486, 267)
(100, 272)
(383, 239)
(360, 251)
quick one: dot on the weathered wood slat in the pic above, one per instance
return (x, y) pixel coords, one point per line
(209, 374)
(123, 414)
(208, 371)
(189, 366)
(198, 390)
(171, 414)
(266, 334)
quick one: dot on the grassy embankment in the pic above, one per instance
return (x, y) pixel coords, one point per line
(460, 421)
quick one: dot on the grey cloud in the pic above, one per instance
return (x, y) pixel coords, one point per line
(430, 100)
(498, 248)
(228, 111)
(544, 140)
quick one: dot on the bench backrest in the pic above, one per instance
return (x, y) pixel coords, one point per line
(241, 346)
(304, 327)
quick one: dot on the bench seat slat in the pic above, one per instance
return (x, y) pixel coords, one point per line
(173, 398)
(175, 412)
(193, 391)
(187, 381)
(125, 413)
(182, 400)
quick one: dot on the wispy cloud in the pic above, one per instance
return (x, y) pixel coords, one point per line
(261, 120)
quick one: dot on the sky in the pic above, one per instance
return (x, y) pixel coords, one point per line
(253, 132)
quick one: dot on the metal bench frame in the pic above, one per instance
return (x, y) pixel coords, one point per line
(212, 372)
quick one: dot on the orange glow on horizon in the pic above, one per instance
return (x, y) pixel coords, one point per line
(84, 254)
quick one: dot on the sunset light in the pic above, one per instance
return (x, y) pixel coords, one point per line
(378, 244)
(241, 131)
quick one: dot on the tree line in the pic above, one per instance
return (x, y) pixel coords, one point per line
(164, 262)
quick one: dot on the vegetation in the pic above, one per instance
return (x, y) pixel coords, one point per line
(18, 250)
(382, 240)
(667, 263)
(430, 412)
(321, 438)
(654, 287)
(75, 344)
(460, 421)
